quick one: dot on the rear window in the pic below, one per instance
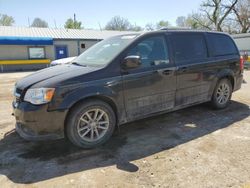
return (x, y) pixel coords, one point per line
(221, 45)
(189, 47)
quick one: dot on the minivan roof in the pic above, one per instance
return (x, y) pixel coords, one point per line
(187, 30)
(175, 30)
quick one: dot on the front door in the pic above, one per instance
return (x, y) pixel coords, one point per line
(61, 52)
(151, 87)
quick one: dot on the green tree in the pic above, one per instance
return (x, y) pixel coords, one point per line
(6, 20)
(71, 24)
(38, 22)
(158, 25)
(162, 24)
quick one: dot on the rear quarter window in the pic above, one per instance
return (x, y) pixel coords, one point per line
(221, 45)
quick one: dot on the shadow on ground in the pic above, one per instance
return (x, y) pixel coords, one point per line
(27, 162)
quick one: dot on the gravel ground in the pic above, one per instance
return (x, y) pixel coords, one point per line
(194, 147)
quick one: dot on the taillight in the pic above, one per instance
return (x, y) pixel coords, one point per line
(241, 63)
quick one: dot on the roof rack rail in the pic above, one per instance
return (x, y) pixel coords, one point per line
(175, 28)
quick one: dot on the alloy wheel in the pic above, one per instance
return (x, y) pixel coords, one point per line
(223, 93)
(93, 125)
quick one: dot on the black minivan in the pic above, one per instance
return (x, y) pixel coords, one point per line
(125, 78)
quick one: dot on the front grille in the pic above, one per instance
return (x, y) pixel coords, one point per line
(18, 93)
(18, 99)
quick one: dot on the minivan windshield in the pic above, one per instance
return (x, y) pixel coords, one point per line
(103, 52)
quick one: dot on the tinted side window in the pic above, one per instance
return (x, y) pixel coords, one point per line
(153, 51)
(188, 47)
(221, 44)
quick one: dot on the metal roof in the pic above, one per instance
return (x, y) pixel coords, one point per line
(58, 33)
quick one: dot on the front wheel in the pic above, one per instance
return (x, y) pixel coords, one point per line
(222, 94)
(90, 124)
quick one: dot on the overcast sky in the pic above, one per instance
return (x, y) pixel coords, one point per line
(93, 12)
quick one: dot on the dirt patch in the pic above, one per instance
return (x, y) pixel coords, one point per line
(194, 147)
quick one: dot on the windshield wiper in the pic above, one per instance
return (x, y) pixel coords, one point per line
(75, 63)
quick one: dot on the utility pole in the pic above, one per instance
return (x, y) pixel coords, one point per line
(74, 20)
(29, 21)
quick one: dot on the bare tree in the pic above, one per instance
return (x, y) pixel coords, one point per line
(149, 27)
(232, 16)
(242, 14)
(214, 12)
(38, 22)
(118, 23)
(200, 21)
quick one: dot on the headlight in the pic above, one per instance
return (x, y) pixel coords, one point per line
(14, 90)
(39, 95)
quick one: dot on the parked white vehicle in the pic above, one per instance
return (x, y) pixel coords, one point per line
(62, 61)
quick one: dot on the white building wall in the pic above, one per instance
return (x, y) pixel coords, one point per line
(243, 43)
(20, 52)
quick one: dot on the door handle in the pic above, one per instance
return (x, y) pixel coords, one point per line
(167, 72)
(183, 69)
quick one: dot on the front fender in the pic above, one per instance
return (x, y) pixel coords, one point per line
(85, 92)
(110, 89)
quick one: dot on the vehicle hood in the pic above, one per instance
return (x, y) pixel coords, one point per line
(63, 61)
(54, 75)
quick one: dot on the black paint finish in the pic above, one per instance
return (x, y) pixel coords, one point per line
(133, 94)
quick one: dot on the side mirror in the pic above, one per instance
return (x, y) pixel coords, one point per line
(131, 62)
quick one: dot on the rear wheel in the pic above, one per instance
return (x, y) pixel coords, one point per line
(222, 94)
(90, 124)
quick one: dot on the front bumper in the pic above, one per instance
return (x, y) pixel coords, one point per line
(35, 122)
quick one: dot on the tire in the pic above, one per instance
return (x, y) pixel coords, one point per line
(90, 124)
(222, 94)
